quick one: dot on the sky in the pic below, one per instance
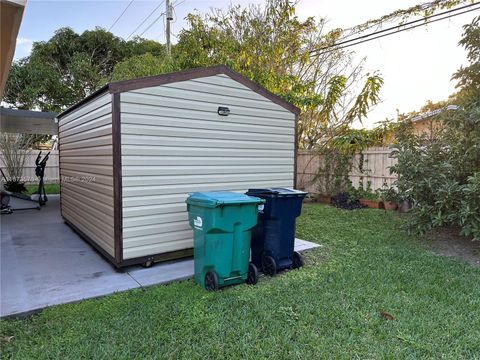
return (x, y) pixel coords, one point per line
(416, 65)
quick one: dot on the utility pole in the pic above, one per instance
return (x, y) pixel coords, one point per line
(169, 17)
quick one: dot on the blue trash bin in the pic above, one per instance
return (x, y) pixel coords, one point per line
(273, 239)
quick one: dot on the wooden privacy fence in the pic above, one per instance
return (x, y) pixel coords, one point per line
(376, 168)
(52, 174)
(377, 162)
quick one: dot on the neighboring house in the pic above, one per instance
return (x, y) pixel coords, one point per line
(11, 17)
(427, 123)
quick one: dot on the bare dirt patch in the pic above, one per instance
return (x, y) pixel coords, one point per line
(448, 242)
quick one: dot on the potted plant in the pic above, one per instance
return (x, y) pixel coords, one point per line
(367, 196)
(404, 205)
(389, 197)
(372, 201)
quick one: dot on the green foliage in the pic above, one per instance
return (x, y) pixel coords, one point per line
(140, 66)
(434, 174)
(469, 216)
(270, 45)
(469, 76)
(422, 9)
(330, 309)
(265, 44)
(362, 192)
(68, 67)
(367, 97)
(338, 155)
(389, 194)
(139, 46)
(15, 186)
(49, 188)
(439, 175)
(353, 141)
(332, 173)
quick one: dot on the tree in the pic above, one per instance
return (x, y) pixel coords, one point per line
(469, 76)
(68, 67)
(441, 175)
(14, 149)
(270, 45)
(142, 65)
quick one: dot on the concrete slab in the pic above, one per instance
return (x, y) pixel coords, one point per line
(162, 273)
(44, 263)
(302, 245)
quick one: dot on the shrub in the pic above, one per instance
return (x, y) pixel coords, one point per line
(469, 214)
(362, 192)
(345, 201)
(14, 149)
(440, 175)
(15, 186)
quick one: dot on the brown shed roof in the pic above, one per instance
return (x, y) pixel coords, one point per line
(162, 79)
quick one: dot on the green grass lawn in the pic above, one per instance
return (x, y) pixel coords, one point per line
(49, 188)
(329, 309)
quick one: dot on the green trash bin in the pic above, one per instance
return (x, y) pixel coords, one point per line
(222, 223)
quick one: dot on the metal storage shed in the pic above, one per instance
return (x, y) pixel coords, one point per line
(132, 151)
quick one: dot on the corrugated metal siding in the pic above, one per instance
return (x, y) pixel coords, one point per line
(174, 142)
(86, 169)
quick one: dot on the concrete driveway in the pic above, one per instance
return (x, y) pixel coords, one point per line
(44, 263)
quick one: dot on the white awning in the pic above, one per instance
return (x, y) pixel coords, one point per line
(28, 122)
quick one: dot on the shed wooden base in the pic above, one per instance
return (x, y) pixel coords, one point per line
(172, 255)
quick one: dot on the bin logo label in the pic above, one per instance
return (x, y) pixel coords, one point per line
(198, 222)
(261, 207)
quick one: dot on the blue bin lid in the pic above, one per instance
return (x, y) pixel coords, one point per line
(277, 191)
(221, 198)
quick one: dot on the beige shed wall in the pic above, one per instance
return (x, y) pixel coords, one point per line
(86, 170)
(174, 142)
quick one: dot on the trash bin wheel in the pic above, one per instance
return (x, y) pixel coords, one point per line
(211, 281)
(297, 260)
(269, 266)
(252, 276)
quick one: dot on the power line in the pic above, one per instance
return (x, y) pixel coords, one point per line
(368, 37)
(407, 23)
(123, 12)
(144, 20)
(424, 7)
(178, 2)
(153, 23)
(401, 30)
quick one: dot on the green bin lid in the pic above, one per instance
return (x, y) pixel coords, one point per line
(221, 198)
